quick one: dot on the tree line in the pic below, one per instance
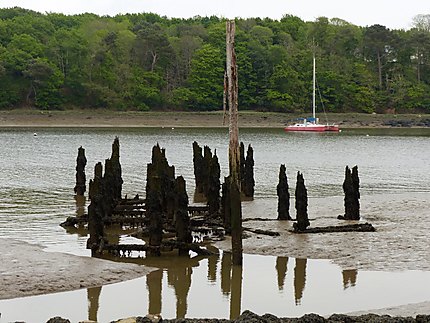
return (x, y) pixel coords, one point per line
(146, 62)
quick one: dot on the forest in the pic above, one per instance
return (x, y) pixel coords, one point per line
(148, 62)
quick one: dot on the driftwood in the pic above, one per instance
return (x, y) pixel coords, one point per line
(165, 245)
(258, 219)
(264, 232)
(359, 227)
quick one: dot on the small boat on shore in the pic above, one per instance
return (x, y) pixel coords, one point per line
(312, 124)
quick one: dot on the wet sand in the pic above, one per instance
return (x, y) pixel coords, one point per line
(27, 270)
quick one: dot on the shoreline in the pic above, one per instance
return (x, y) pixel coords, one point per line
(53, 272)
(99, 118)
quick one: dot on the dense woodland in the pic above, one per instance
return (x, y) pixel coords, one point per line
(146, 62)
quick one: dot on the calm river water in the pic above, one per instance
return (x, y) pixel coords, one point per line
(36, 194)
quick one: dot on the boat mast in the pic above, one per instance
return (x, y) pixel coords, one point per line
(313, 87)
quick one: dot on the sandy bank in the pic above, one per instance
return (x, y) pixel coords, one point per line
(247, 119)
(28, 270)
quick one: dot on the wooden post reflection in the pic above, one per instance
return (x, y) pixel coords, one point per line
(180, 279)
(80, 205)
(281, 269)
(349, 278)
(154, 283)
(226, 273)
(93, 295)
(212, 267)
(236, 292)
(299, 279)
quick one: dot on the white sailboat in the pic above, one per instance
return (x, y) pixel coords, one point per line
(311, 124)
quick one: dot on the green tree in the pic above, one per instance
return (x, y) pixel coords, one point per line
(207, 78)
(45, 82)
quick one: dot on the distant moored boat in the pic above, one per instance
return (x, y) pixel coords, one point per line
(311, 124)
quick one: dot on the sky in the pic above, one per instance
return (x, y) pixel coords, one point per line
(394, 14)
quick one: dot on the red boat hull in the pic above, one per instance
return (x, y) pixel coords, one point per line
(312, 128)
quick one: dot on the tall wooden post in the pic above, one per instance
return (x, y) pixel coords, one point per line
(234, 156)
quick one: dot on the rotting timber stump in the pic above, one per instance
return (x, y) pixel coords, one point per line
(81, 162)
(301, 204)
(283, 195)
(358, 227)
(165, 245)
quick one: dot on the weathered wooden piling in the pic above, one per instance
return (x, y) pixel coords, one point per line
(116, 171)
(356, 185)
(81, 162)
(96, 212)
(207, 158)
(283, 195)
(351, 187)
(301, 204)
(225, 204)
(162, 175)
(242, 164)
(213, 193)
(247, 180)
(232, 90)
(155, 228)
(182, 219)
(154, 199)
(198, 166)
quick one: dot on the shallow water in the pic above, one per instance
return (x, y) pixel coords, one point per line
(210, 287)
(36, 194)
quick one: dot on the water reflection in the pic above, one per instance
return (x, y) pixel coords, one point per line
(154, 285)
(225, 273)
(281, 270)
(349, 278)
(177, 273)
(180, 280)
(93, 295)
(236, 291)
(299, 279)
(80, 205)
(182, 286)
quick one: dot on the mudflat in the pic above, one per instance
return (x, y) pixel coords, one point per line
(28, 270)
(247, 119)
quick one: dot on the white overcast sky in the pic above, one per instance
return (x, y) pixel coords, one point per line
(394, 14)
